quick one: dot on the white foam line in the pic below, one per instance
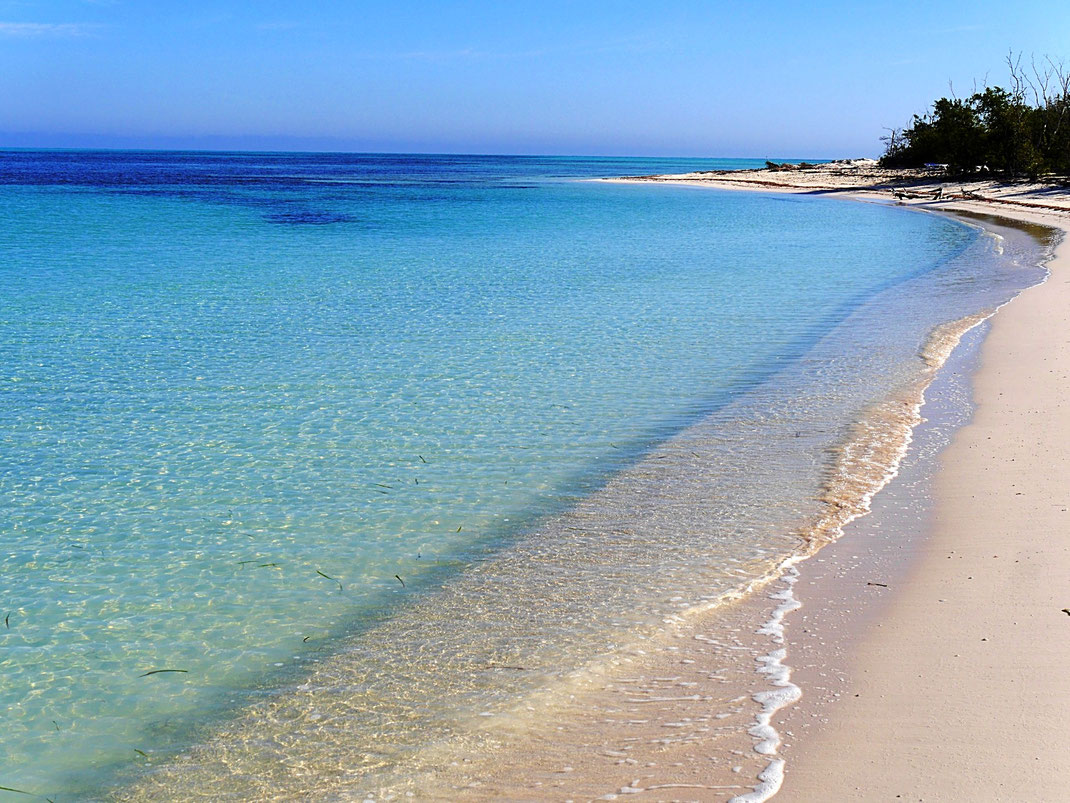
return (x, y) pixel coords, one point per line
(784, 692)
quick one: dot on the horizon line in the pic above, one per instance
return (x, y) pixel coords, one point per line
(503, 154)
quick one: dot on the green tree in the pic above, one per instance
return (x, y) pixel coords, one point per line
(1024, 131)
(1008, 123)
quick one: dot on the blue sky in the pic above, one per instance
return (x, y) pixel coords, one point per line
(675, 77)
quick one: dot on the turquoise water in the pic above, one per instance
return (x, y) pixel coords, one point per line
(257, 412)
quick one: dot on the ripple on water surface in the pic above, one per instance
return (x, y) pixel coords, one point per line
(370, 479)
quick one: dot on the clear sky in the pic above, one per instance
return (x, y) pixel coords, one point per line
(658, 77)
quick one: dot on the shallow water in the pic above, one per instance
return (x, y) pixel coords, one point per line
(349, 439)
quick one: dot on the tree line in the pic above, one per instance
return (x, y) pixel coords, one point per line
(1023, 130)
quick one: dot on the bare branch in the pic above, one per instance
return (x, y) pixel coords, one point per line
(1061, 76)
(1042, 78)
(1014, 67)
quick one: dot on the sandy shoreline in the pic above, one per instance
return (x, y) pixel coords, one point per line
(950, 682)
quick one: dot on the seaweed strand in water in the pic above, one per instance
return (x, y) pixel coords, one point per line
(161, 671)
(333, 579)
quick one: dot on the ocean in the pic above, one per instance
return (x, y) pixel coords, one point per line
(312, 463)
